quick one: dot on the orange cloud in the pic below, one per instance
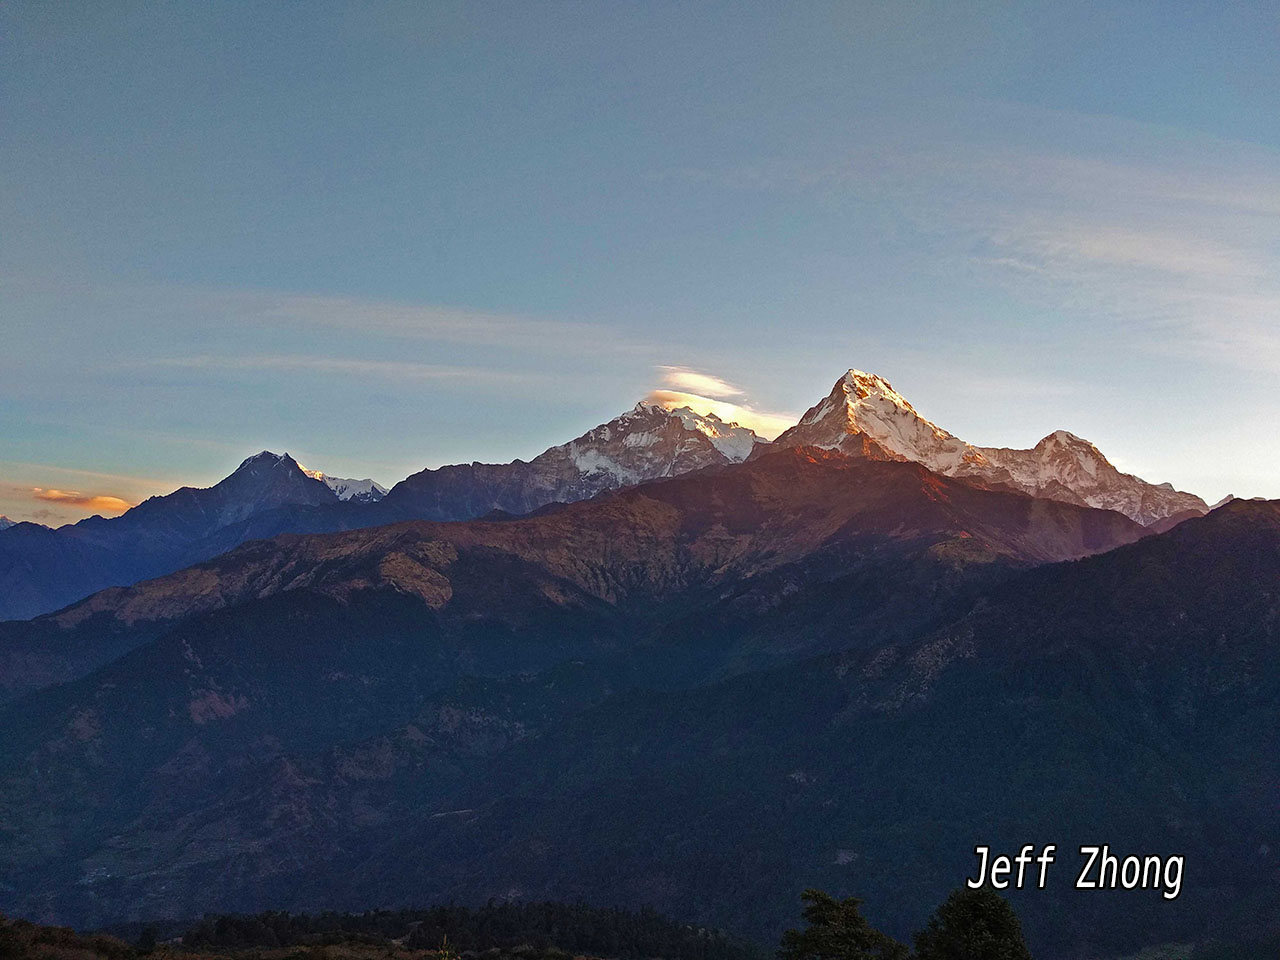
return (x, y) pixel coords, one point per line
(767, 425)
(73, 498)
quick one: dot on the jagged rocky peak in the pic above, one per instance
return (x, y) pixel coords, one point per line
(266, 461)
(650, 441)
(864, 415)
(647, 442)
(735, 442)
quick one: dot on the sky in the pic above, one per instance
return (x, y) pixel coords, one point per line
(389, 236)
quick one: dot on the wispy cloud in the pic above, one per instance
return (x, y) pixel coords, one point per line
(683, 378)
(1180, 258)
(48, 492)
(1170, 239)
(341, 366)
(385, 329)
(126, 479)
(254, 310)
(436, 323)
(1074, 247)
(704, 393)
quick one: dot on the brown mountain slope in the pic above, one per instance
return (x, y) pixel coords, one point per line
(660, 538)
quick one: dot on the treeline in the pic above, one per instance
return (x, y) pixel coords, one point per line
(969, 925)
(512, 928)
(22, 940)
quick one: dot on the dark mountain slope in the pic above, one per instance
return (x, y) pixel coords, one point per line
(283, 650)
(744, 538)
(1131, 699)
(43, 569)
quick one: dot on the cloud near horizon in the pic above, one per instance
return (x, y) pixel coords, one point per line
(703, 393)
(73, 498)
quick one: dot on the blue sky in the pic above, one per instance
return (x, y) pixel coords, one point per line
(388, 236)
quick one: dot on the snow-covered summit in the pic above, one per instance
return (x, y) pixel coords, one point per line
(864, 415)
(863, 405)
(345, 488)
(650, 441)
(647, 442)
(264, 458)
(6, 523)
(734, 441)
(362, 491)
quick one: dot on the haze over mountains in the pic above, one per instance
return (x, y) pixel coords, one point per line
(42, 570)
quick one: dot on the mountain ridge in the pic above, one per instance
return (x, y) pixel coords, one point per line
(647, 442)
(287, 749)
(680, 534)
(44, 569)
(864, 409)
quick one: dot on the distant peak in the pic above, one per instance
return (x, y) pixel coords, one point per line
(266, 456)
(366, 490)
(642, 426)
(864, 415)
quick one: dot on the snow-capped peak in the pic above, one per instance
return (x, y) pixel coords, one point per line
(864, 407)
(647, 442)
(265, 457)
(734, 441)
(363, 491)
(6, 523)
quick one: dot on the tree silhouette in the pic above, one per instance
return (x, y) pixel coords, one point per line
(837, 930)
(972, 925)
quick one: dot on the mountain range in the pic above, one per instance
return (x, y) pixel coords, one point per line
(42, 569)
(863, 414)
(666, 663)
